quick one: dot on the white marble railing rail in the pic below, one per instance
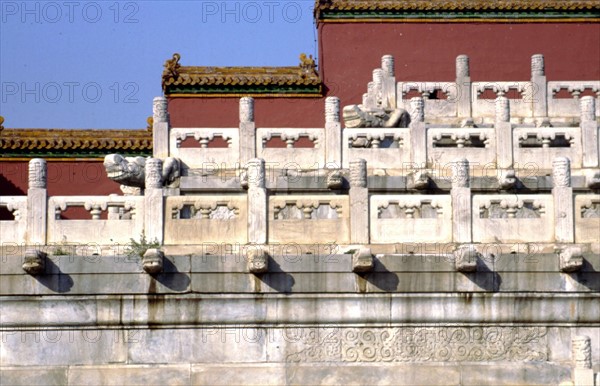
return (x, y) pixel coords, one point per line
(587, 218)
(569, 107)
(543, 144)
(313, 218)
(381, 148)
(410, 218)
(124, 219)
(507, 218)
(14, 230)
(306, 158)
(199, 219)
(444, 145)
(203, 154)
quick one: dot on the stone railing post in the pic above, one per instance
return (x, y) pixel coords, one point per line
(359, 202)
(562, 192)
(461, 203)
(539, 97)
(333, 133)
(589, 132)
(160, 128)
(583, 374)
(154, 201)
(388, 86)
(247, 130)
(503, 127)
(37, 202)
(257, 201)
(418, 132)
(463, 84)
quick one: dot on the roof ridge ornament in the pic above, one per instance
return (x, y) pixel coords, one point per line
(307, 64)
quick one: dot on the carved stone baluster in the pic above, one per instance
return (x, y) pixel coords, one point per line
(583, 374)
(463, 84)
(333, 133)
(247, 130)
(539, 93)
(359, 202)
(418, 132)
(504, 135)
(589, 132)
(461, 203)
(562, 192)
(160, 128)
(257, 201)
(37, 202)
(153, 200)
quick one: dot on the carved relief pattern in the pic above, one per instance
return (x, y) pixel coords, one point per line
(416, 344)
(410, 209)
(462, 139)
(203, 138)
(37, 173)
(561, 172)
(358, 173)
(332, 109)
(417, 109)
(159, 109)
(546, 139)
(376, 140)
(512, 209)
(537, 65)
(291, 138)
(387, 65)
(460, 174)
(462, 66)
(590, 209)
(247, 109)
(306, 210)
(203, 210)
(582, 352)
(502, 109)
(588, 108)
(153, 173)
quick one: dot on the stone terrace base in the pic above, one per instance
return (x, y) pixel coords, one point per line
(230, 355)
(286, 374)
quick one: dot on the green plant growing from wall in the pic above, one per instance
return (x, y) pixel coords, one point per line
(138, 248)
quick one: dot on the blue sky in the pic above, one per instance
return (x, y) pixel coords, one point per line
(97, 64)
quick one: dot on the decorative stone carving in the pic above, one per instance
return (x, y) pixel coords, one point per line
(465, 258)
(358, 116)
(37, 173)
(537, 65)
(332, 109)
(507, 180)
(502, 109)
(570, 258)
(419, 180)
(460, 174)
(246, 109)
(362, 260)
(152, 261)
(258, 260)
(462, 66)
(588, 108)
(420, 344)
(255, 173)
(561, 172)
(358, 173)
(582, 352)
(34, 262)
(131, 171)
(417, 109)
(592, 179)
(335, 180)
(387, 65)
(153, 169)
(159, 110)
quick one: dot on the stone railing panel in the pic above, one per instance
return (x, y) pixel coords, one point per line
(292, 156)
(522, 107)
(125, 219)
(199, 219)
(434, 108)
(205, 153)
(381, 148)
(569, 107)
(587, 218)
(541, 145)
(14, 230)
(410, 218)
(513, 218)
(445, 145)
(309, 219)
